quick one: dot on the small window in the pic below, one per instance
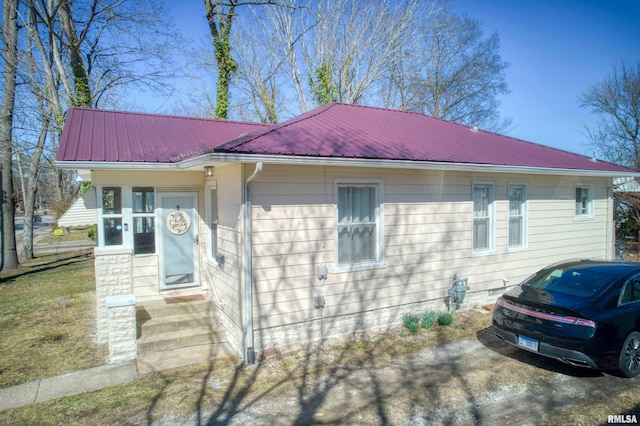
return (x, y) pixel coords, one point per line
(584, 201)
(144, 241)
(112, 216)
(358, 226)
(517, 215)
(212, 222)
(483, 217)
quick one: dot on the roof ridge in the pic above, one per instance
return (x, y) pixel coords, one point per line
(241, 140)
(163, 115)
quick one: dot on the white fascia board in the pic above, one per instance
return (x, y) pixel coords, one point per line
(407, 164)
(198, 161)
(114, 165)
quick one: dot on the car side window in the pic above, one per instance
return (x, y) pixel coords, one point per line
(631, 291)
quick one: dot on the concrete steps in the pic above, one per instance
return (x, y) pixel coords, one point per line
(173, 335)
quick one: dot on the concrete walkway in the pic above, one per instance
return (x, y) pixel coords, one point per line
(67, 384)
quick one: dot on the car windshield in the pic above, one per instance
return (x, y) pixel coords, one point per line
(583, 282)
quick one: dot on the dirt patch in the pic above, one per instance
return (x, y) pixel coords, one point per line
(479, 381)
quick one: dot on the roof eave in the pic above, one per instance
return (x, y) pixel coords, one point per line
(411, 164)
(337, 161)
(114, 165)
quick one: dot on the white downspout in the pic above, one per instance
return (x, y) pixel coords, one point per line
(248, 268)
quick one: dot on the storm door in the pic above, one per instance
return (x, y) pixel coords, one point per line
(179, 236)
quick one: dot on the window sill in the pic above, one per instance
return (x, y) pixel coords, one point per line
(517, 249)
(482, 253)
(110, 251)
(357, 267)
(583, 218)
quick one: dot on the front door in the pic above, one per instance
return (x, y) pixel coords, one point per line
(179, 236)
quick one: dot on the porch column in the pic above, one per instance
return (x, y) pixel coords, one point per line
(122, 328)
(114, 277)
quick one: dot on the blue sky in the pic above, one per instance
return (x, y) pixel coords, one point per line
(556, 49)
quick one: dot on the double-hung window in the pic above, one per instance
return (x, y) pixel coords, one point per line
(483, 217)
(517, 215)
(584, 201)
(359, 233)
(143, 220)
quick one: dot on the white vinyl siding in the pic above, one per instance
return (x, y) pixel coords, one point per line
(426, 227)
(517, 197)
(483, 217)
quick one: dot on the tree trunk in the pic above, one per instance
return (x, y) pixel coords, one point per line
(32, 185)
(220, 27)
(10, 38)
(80, 75)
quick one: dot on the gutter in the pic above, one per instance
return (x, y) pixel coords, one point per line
(197, 162)
(248, 268)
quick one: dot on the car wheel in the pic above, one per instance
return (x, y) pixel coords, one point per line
(629, 363)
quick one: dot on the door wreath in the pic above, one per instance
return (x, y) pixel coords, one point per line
(178, 222)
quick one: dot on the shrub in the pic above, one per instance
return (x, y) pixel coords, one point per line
(429, 319)
(412, 322)
(92, 233)
(445, 318)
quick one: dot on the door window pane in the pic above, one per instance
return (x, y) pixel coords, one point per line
(144, 240)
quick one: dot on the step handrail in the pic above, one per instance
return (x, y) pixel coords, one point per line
(219, 303)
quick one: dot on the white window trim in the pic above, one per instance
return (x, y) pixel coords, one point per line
(525, 217)
(125, 215)
(212, 258)
(379, 262)
(591, 203)
(492, 219)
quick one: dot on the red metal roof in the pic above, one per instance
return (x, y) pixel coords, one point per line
(331, 131)
(112, 136)
(352, 131)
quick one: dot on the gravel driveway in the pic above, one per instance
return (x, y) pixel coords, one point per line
(482, 381)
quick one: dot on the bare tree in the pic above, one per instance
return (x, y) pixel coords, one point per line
(616, 100)
(306, 53)
(10, 58)
(352, 44)
(84, 53)
(220, 16)
(460, 73)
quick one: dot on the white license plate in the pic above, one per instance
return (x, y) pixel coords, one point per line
(527, 343)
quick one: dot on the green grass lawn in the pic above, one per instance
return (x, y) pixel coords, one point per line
(47, 318)
(47, 327)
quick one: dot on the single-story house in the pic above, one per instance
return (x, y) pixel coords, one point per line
(334, 222)
(82, 212)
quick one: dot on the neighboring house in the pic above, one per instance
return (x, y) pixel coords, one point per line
(335, 222)
(83, 211)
